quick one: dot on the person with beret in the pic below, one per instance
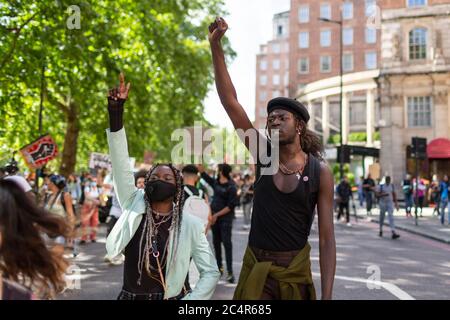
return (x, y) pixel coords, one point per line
(277, 260)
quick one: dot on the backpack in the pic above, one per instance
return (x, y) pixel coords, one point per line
(196, 205)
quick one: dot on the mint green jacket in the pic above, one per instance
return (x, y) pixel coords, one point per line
(192, 241)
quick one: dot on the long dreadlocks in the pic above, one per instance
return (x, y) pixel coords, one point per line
(148, 231)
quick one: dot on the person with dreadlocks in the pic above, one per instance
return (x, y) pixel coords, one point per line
(277, 260)
(157, 240)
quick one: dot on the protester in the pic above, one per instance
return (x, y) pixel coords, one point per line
(361, 191)
(247, 200)
(369, 185)
(407, 187)
(284, 202)
(222, 206)
(387, 198)
(59, 202)
(27, 264)
(89, 211)
(344, 192)
(435, 195)
(419, 193)
(157, 239)
(444, 188)
(11, 170)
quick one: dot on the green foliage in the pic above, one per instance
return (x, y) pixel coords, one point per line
(160, 45)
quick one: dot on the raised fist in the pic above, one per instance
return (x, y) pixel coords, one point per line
(217, 29)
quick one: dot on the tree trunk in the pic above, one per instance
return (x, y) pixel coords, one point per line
(69, 155)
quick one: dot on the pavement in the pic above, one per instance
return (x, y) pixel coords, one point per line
(428, 224)
(368, 267)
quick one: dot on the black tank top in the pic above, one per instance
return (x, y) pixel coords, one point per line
(282, 221)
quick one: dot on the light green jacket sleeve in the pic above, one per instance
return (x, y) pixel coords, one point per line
(121, 168)
(206, 265)
(125, 190)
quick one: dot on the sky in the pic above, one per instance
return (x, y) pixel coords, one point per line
(249, 26)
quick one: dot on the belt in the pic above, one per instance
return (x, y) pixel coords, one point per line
(125, 295)
(275, 254)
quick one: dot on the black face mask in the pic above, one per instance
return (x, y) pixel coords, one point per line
(159, 190)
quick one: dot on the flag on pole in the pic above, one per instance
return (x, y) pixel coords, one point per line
(39, 152)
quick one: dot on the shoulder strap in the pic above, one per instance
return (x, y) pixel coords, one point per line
(188, 191)
(200, 192)
(314, 173)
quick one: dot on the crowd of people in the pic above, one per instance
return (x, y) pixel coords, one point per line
(158, 222)
(381, 193)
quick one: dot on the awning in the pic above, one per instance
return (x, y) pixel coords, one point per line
(439, 149)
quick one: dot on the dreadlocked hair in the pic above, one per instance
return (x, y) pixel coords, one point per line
(309, 141)
(146, 237)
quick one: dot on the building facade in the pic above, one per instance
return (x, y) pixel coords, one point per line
(414, 85)
(395, 84)
(272, 68)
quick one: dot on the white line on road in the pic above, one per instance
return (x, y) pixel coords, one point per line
(392, 288)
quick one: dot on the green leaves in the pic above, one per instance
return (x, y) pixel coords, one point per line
(160, 45)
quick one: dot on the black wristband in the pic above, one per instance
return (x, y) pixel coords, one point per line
(115, 111)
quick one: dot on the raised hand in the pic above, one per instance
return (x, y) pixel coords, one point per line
(217, 29)
(119, 94)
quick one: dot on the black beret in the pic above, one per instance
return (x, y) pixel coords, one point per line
(290, 105)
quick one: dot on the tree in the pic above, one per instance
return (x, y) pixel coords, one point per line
(160, 45)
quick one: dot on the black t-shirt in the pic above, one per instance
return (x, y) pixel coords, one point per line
(370, 182)
(282, 221)
(131, 268)
(225, 195)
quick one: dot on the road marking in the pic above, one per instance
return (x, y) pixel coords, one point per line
(391, 288)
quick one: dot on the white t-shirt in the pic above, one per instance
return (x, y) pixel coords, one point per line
(21, 181)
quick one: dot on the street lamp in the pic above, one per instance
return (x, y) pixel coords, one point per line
(341, 72)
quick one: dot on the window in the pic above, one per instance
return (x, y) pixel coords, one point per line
(286, 79)
(325, 11)
(276, 80)
(417, 3)
(303, 39)
(263, 80)
(371, 8)
(347, 62)
(280, 30)
(418, 44)
(263, 96)
(325, 64)
(303, 14)
(303, 65)
(276, 48)
(419, 111)
(263, 65)
(325, 38)
(276, 64)
(347, 10)
(347, 36)
(276, 94)
(371, 35)
(371, 60)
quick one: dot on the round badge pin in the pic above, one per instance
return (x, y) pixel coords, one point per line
(305, 178)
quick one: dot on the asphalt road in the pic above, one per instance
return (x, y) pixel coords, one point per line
(368, 267)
